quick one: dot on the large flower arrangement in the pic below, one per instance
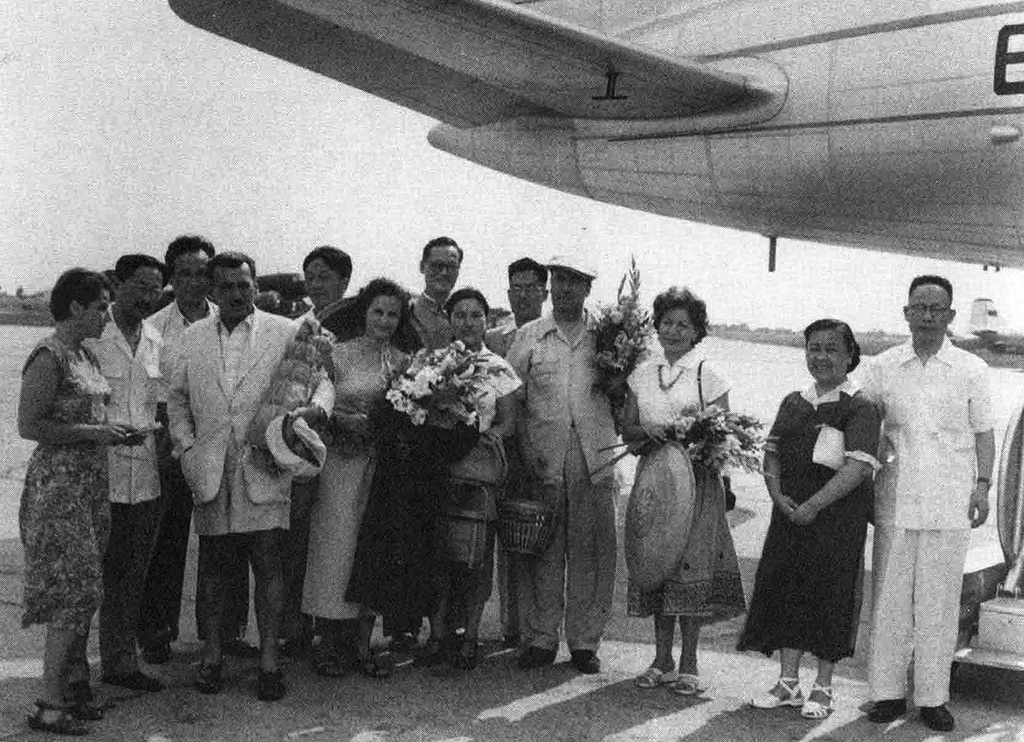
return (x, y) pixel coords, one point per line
(623, 330)
(442, 387)
(719, 439)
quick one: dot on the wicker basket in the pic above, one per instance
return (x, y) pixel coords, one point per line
(526, 526)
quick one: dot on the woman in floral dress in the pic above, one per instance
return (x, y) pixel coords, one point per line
(64, 517)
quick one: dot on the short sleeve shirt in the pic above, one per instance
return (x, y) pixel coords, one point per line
(558, 375)
(931, 412)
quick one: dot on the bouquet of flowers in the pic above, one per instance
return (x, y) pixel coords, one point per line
(622, 333)
(442, 387)
(718, 439)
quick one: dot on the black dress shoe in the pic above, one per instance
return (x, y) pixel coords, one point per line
(135, 681)
(586, 661)
(937, 718)
(156, 654)
(239, 648)
(210, 678)
(885, 711)
(270, 685)
(536, 657)
(511, 641)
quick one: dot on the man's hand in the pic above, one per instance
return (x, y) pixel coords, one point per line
(977, 511)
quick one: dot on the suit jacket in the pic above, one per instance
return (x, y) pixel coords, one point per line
(208, 422)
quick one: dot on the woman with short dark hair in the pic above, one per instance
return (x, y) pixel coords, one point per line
(64, 517)
(705, 586)
(818, 464)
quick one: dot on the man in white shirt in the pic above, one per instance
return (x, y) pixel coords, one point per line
(129, 356)
(217, 387)
(937, 457)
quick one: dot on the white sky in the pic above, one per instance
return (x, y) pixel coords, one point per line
(121, 126)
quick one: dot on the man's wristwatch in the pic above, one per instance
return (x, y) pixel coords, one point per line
(984, 480)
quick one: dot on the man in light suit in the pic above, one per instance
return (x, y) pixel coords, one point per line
(224, 368)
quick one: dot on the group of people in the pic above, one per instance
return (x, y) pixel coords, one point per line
(149, 422)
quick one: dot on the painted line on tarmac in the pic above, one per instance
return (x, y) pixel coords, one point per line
(579, 686)
(27, 668)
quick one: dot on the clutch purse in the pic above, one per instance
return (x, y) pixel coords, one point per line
(830, 448)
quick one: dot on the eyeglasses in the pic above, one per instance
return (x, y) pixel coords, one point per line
(524, 290)
(922, 309)
(443, 267)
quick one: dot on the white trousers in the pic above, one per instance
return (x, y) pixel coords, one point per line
(917, 579)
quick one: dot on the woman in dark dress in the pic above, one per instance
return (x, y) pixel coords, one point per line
(817, 467)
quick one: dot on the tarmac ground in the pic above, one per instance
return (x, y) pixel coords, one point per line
(496, 701)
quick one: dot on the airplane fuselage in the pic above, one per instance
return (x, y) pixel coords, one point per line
(891, 134)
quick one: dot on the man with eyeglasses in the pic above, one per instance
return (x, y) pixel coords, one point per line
(527, 292)
(938, 452)
(440, 263)
(129, 355)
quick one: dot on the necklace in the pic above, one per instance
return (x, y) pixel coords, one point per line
(661, 378)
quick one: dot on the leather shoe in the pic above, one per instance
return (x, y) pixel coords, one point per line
(239, 648)
(270, 685)
(536, 657)
(586, 661)
(511, 641)
(885, 711)
(210, 678)
(937, 718)
(135, 681)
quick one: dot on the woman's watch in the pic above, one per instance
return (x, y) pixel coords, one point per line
(984, 480)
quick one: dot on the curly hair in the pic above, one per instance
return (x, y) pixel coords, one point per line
(386, 287)
(682, 298)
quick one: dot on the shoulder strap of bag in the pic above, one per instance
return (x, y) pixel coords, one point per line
(700, 384)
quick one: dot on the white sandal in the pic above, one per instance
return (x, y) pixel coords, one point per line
(654, 677)
(769, 700)
(688, 685)
(814, 709)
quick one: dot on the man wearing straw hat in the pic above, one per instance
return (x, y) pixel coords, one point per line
(566, 437)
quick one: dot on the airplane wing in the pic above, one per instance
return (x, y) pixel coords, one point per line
(472, 62)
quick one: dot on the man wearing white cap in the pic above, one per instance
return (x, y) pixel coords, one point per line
(566, 437)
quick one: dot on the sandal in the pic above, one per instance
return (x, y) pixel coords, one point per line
(81, 702)
(653, 677)
(64, 723)
(786, 692)
(815, 709)
(687, 685)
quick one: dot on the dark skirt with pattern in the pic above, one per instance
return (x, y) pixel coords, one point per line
(707, 583)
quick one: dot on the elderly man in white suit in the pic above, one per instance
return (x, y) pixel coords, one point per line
(223, 371)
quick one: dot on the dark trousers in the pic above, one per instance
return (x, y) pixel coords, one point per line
(133, 531)
(161, 598)
(232, 569)
(295, 626)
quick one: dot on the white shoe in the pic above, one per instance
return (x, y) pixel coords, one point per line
(785, 693)
(814, 709)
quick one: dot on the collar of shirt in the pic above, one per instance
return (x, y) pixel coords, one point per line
(430, 304)
(251, 321)
(810, 394)
(328, 310)
(147, 331)
(547, 325)
(690, 359)
(907, 353)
